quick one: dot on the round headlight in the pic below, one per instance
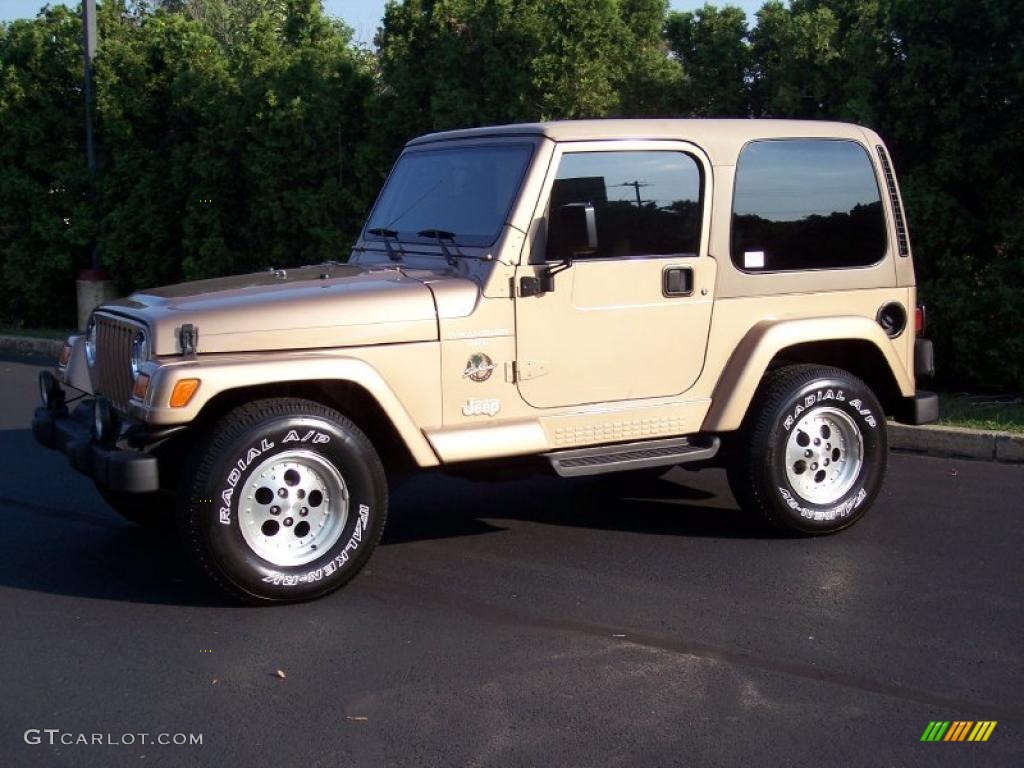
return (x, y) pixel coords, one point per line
(140, 352)
(90, 342)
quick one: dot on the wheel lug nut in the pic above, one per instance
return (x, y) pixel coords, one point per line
(300, 493)
(275, 510)
(813, 466)
(817, 441)
(288, 521)
(304, 511)
(808, 453)
(282, 492)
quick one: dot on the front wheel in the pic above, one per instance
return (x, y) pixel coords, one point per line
(812, 452)
(285, 502)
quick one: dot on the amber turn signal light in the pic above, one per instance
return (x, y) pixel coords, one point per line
(183, 391)
(65, 355)
(141, 386)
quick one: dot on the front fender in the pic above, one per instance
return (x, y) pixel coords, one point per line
(750, 360)
(229, 373)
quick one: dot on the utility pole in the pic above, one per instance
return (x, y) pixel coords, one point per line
(93, 286)
(636, 185)
(89, 53)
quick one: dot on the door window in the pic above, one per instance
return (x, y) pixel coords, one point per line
(645, 203)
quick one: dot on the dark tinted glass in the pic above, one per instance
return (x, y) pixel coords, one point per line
(806, 204)
(467, 191)
(645, 203)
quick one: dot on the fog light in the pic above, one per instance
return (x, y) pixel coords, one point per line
(50, 391)
(104, 421)
(182, 392)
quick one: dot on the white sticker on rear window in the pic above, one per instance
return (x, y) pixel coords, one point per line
(753, 259)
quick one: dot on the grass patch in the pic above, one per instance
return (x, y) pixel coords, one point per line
(36, 333)
(1004, 414)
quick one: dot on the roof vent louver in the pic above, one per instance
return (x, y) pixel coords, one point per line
(890, 182)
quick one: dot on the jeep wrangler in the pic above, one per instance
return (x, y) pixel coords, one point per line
(589, 296)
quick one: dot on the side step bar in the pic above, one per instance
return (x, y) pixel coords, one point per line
(626, 456)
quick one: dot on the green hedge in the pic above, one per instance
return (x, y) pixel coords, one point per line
(239, 135)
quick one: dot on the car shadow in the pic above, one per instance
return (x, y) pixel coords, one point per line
(69, 542)
(667, 506)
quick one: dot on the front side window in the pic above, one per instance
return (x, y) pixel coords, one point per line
(806, 204)
(645, 203)
(465, 191)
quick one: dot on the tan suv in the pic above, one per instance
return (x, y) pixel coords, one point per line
(588, 297)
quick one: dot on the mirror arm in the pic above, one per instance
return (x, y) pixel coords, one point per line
(548, 276)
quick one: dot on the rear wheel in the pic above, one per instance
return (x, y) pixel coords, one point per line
(812, 452)
(285, 501)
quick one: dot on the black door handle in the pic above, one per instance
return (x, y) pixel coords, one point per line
(677, 281)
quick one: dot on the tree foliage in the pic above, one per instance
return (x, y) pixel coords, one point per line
(236, 134)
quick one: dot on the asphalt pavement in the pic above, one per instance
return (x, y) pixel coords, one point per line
(541, 622)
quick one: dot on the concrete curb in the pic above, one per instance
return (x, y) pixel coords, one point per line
(952, 442)
(957, 442)
(28, 345)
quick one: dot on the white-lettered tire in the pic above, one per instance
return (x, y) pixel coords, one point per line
(812, 452)
(285, 501)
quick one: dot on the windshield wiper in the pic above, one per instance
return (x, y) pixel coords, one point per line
(441, 235)
(386, 234)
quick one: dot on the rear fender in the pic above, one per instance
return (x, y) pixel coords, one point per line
(769, 339)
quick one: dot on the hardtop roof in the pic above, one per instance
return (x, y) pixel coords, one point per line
(720, 138)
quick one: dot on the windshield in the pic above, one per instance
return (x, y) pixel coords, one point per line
(467, 192)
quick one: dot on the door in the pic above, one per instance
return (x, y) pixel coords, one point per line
(629, 318)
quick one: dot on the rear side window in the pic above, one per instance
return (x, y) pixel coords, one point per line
(806, 204)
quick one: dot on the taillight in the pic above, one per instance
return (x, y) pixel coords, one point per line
(919, 320)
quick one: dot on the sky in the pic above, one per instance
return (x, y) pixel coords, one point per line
(362, 15)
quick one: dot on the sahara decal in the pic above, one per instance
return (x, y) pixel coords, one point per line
(479, 367)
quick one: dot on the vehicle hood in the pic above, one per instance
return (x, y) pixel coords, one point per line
(323, 306)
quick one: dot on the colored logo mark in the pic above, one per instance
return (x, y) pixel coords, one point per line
(958, 730)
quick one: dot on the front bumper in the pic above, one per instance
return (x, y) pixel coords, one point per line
(124, 470)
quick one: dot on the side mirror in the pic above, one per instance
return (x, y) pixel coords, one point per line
(578, 225)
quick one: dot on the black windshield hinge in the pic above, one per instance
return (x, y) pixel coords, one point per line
(188, 340)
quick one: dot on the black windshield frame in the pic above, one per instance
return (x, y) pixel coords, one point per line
(409, 234)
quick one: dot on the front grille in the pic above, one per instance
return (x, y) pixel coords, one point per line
(113, 371)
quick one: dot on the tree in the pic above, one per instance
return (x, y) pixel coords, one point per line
(712, 46)
(447, 63)
(952, 108)
(652, 80)
(45, 219)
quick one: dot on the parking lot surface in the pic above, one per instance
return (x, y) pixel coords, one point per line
(537, 622)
